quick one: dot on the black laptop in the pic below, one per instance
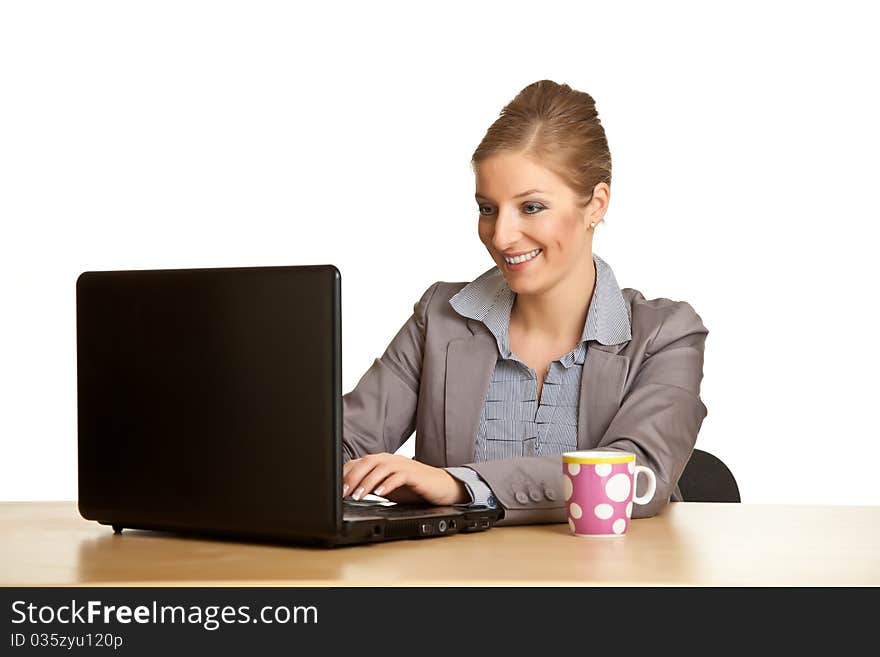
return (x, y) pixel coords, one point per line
(209, 401)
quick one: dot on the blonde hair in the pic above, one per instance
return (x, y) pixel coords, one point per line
(559, 127)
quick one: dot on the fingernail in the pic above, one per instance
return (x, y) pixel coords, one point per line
(358, 493)
(344, 489)
(379, 490)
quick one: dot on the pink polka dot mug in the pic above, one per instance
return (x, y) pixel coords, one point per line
(599, 488)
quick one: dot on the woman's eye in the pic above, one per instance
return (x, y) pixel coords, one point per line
(530, 208)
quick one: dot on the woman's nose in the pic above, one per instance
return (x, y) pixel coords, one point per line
(507, 230)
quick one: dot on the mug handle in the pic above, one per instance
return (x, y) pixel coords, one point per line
(652, 485)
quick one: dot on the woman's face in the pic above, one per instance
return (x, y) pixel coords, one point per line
(524, 207)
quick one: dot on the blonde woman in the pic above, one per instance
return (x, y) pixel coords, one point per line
(541, 354)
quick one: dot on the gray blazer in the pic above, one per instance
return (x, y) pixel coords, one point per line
(641, 396)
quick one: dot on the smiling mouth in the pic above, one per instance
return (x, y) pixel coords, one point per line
(523, 258)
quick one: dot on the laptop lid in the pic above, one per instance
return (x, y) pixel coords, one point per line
(210, 399)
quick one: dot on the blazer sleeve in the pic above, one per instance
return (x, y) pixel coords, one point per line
(379, 414)
(658, 421)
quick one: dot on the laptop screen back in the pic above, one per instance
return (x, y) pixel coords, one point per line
(211, 398)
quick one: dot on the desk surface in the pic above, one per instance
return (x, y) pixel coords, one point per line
(692, 544)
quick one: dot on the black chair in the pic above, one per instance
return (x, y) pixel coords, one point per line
(707, 479)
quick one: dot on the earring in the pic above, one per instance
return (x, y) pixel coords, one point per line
(592, 224)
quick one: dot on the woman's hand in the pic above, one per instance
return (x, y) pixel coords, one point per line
(401, 479)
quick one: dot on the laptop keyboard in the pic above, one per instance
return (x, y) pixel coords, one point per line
(350, 510)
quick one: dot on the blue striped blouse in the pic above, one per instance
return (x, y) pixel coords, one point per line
(513, 422)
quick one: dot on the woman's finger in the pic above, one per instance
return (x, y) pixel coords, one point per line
(346, 468)
(391, 483)
(352, 479)
(373, 478)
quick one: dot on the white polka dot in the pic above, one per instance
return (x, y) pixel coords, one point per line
(603, 469)
(617, 488)
(574, 468)
(575, 510)
(603, 511)
(567, 487)
(619, 525)
(631, 466)
(629, 510)
(571, 524)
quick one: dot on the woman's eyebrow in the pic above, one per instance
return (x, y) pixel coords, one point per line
(526, 193)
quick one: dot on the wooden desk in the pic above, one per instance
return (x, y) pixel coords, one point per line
(693, 544)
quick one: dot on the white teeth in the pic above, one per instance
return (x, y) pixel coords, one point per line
(522, 258)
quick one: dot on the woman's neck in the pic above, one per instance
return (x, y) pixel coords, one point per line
(557, 315)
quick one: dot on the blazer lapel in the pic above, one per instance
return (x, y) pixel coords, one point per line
(470, 362)
(602, 383)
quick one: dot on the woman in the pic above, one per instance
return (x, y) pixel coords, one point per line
(541, 354)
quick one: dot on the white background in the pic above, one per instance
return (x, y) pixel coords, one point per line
(204, 134)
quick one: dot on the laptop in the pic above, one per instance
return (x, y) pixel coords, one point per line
(209, 401)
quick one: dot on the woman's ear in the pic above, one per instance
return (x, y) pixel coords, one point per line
(594, 212)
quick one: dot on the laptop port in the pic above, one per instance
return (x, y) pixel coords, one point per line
(484, 523)
(441, 526)
(377, 530)
(452, 524)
